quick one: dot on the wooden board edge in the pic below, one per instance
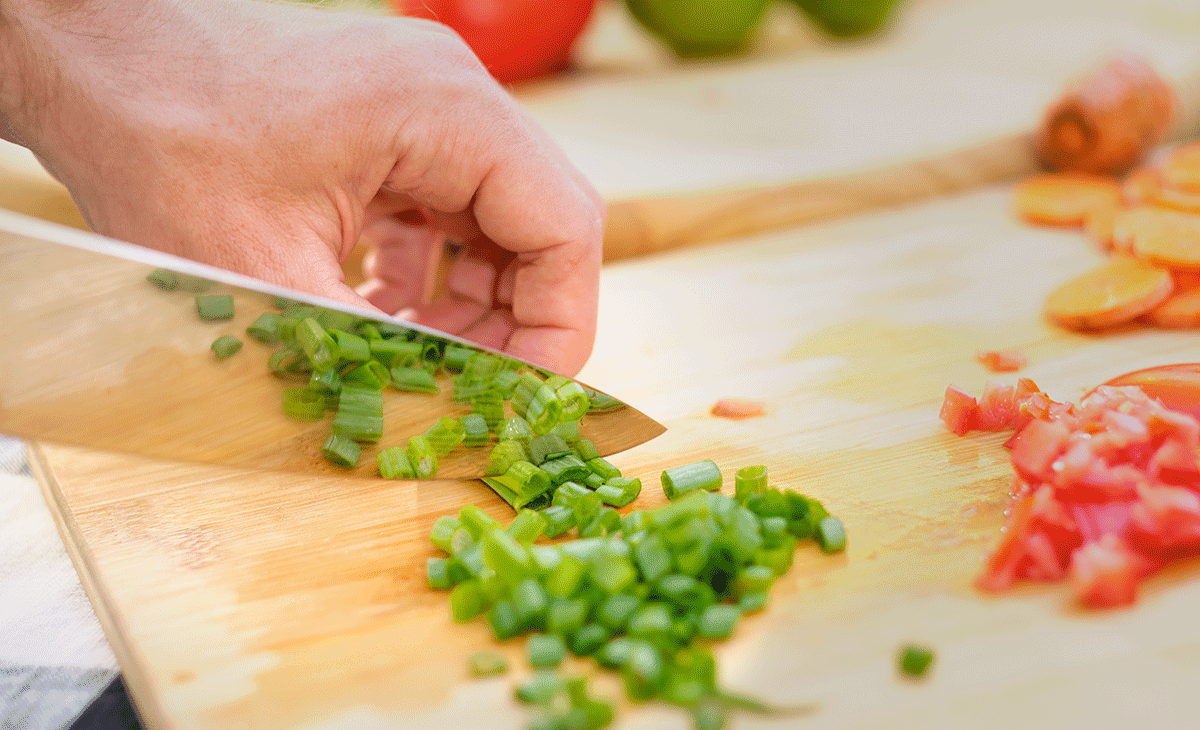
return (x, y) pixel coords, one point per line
(150, 712)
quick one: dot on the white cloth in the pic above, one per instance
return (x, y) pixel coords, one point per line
(54, 658)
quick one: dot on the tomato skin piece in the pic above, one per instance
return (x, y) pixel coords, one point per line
(1176, 386)
(516, 40)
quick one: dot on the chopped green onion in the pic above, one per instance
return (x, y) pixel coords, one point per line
(352, 348)
(443, 531)
(466, 600)
(515, 429)
(214, 307)
(603, 468)
(413, 380)
(565, 615)
(527, 526)
(455, 358)
(831, 535)
(360, 414)
(395, 353)
(303, 404)
(265, 329)
(437, 574)
(446, 433)
(488, 664)
(393, 464)
(586, 451)
(540, 688)
(477, 521)
(588, 640)
(545, 651)
(752, 602)
(559, 519)
(749, 481)
(503, 619)
(680, 480)
(163, 279)
(421, 457)
(718, 621)
(573, 398)
(546, 447)
(620, 491)
(226, 346)
(370, 374)
(475, 430)
(531, 600)
(913, 660)
(565, 468)
(341, 450)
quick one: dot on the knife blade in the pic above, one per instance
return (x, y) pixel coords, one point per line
(93, 354)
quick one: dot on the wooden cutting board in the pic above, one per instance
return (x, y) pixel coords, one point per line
(240, 599)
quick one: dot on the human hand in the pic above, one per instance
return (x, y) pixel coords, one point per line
(268, 139)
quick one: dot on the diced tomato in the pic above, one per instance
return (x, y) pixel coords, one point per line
(997, 408)
(1036, 446)
(958, 409)
(1002, 361)
(1105, 573)
(1106, 491)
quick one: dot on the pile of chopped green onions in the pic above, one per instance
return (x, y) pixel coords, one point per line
(643, 594)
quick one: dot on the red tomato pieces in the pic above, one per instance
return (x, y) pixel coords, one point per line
(1104, 492)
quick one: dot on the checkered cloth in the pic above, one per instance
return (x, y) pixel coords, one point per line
(56, 668)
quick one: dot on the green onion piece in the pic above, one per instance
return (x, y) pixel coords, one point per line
(446, 433)
(831, 535)
(565, 579)
(913, 660)
(332, 319)
(503, 619)
(530, 600)
(515, 429)
(602, 402)
(286, 362)
(544, 411)
(442, 531)
(774, 531)
(620, 491)
(531, 479)
(568, 431)
(559, 519)
(684, 592)
(749, 481)
(545, 651)
(413, 380)
(527, 526)
(341, 450)
(540, 687)
(603, 468)
(488, 664)
(481, 366)
(752, 602)
(593, 481)
(506, 382)
(546, 447)
(352, 348)
(393, 464)
(503, 455)
(370, 374)
(455, 357)
(360, 414)
(643, 671)
(718, 621)
(475, 430)
(461, 540)
(265, 329)
(489, 404)
(653, 558)
(421, 457)
(612, 572)
(573, 398)
(437, 574)
(614, 612)
(649, 621)
(466, 600)
(769, 503)
(326, 381)
(743, 535)
(565, 468)
(545, 557)
(753, 579)
(615, 653)
(586, 450)
(709, 714)
(368, 331)
(778, 559)
(163, 279)
(214, 307)
(588, 640)
(303, 404)
(587, 508)
(477, 521)
(636, 521)
(565, 615)
(395, 353)
(516, 493)
(680, 480)
(568, 494)
(226, 347)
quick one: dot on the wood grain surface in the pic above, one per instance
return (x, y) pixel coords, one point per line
(252, 599)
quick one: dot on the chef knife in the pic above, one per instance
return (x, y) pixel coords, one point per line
(93, 354)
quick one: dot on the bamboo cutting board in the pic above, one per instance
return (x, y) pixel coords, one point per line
(238, 599)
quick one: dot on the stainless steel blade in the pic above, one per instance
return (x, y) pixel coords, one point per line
(92, 354)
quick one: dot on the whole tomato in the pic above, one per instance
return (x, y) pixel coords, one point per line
(515, 39)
